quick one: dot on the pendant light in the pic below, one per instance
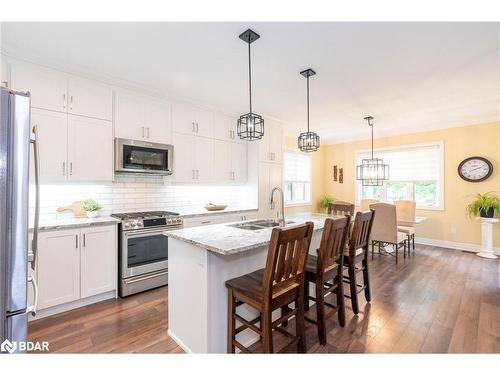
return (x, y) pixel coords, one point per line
(308, 141)
(250, 125)
(372, 172)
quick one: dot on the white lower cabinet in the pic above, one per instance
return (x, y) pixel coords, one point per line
(58, 267)
(98, 260)
(75, 263)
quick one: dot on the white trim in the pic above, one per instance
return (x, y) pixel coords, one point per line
(179, 342)
(462, 246)
(441, 206)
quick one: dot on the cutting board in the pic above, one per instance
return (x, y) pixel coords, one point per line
(76, 207)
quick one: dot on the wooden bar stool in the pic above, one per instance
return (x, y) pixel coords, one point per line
(356, 257)
(325, 267)
(341, 208)
(280, 283)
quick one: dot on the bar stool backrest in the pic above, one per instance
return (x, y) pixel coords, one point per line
(361, 231)
(341, 208)
(333, 241)
(286, 257)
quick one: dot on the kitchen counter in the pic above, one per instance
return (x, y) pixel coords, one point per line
(200, 261)
(187, 214)
(74, 223)
(226, 240)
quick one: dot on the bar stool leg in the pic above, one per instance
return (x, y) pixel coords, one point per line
(231, 327)
(340, 298)
(352, 284)
(320, 311)
(366, 278)
(284, 310)
(267, 332)
(306, 295)
(300, 329)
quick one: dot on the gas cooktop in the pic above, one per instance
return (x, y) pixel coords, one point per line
(144, 215)
(148, 219)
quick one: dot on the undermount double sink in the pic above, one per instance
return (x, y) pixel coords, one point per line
(258, 224)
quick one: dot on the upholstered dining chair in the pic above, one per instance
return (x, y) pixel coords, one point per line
(365, 204)
(385, 229)
(341, 208)
(405, 212)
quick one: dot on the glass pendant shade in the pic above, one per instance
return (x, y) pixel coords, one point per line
(372, 172)
(250, 127)
(308, 142)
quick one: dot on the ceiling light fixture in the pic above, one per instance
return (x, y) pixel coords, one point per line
(372, 172)
(250, 125)
(308, 141)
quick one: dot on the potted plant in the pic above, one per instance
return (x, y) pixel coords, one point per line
(485, 205)
(91, 207)
(325, 201)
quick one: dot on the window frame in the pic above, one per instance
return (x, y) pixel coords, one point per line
(440, 187)
(307, 202)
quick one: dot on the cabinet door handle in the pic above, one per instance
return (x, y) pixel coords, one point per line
(84, 241)
(76, 241)
(71, 168)
(206, 222)
(142, 127)
(230, 134)
(192, 127)
(197, 174)
(196, 127)
(71, 102)
(64, 100)
(64, 168)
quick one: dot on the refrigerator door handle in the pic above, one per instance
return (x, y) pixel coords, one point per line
(36, 157)
(33, 308)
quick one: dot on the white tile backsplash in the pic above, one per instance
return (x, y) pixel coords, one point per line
(128, 193)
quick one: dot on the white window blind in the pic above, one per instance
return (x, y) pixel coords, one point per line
(297, 167)
(422, 163)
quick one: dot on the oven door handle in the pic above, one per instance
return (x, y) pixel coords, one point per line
(143, 278)
(136, 233)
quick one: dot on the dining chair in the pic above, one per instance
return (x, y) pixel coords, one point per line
(277, 285)
(325, 270)
(356, 258)
(385, 229)
(341, 208)
(405, 212)
(365, 204)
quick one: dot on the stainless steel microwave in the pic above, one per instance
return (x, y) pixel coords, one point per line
(143, 157)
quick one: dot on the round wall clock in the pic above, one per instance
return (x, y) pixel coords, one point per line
(475, 169)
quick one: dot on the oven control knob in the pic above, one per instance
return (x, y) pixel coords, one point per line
(126, 224)
(169, 221)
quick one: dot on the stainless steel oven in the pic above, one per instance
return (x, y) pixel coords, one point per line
(143, 157)
(143, 250)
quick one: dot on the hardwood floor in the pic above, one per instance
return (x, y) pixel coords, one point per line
(437, 301)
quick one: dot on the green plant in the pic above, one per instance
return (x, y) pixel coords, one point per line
(325, 201)
(90, 205)
(483, 203)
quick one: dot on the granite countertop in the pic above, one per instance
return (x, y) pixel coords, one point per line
(204, 212)
(226, 240)
(74, 222)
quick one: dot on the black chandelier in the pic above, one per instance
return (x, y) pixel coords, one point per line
(372, 172)
(308, 141)
(250, 125)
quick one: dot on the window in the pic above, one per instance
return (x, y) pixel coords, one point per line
(297, 189)
(415, 173)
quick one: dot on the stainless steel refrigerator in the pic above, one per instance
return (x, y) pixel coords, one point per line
(17, 142)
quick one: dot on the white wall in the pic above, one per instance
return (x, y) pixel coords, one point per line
(127, 194)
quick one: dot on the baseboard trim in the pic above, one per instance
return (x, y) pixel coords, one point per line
(462, 246)
(73, 305)
(179, 342)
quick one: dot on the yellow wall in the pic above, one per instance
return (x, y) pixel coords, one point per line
(317, 186)
(459, 143)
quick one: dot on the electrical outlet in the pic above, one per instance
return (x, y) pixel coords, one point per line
(453, 231)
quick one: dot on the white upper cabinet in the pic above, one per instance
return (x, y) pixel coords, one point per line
(271, 145)
(4, 73)
(204, 158)
(90, 149)
(87, 98)
(270, 176)
(56, 91)
(192, 120)
(225, 128)
(194, 158)
(222, 161)
(141, 117)
(239, 162)
(52, 140)
(48, 88)
(157, 121)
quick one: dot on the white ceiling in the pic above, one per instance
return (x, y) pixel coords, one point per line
(409, 76)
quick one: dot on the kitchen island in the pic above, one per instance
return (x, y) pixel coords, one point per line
(201, 259)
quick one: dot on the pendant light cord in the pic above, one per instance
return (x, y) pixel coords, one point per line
(371, 125)
(308, 103)
(250, 77)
